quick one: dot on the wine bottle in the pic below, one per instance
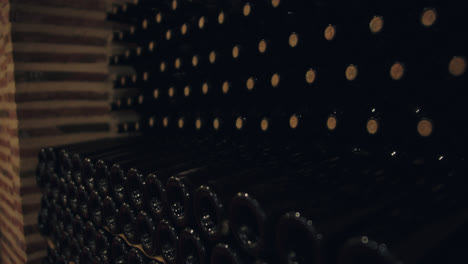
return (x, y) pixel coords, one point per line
(101, 178)
(212, 197)
(78, 230)
(119, 14)
(51, 159)
(89, 236)
(148, 4)
(68, 222)
(82, 201)
(117, 180)
(61, 259)
(52, 254)
(382, 125)
(87, 257)
(167, 237)
(75, 251)
(449, 250)
(416, 248)
(134, 188)
(330, 175)
(154, 192)
(374, 202)
(62, 189)
(122, 82)
(119, 250)
(191, 248)
(94, 208)
(41, 169)
(224, 253)
(179, 190)
(134, 256)
(135, 9)
(70, 249)
(210, 24)
(88, 175)
(154, 187)
(103, 247)
(44, 217)
(146, 228)
(341, 127)
(210, 200)
(72, 197)
(57, 222)
(65, 247)
(110, 217)
(52, 191)
(127, 222)
(76, 170)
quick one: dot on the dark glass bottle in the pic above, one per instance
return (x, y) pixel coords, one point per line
(110, 216)
(134, 189)
(103, 246)
(44, 217)
(82, 200)
(400, 178)
(417, 248)
(52, 254)
(89, 236)
(67, 248)
(117, 180)
(324, 179)
(72, 197)
(146, 229)
(127, 222)
(191, 248)
(135, 256)
(41, 180)
(75, 251)
(51, 159)
(95, 208)
(77, 166)
(61, 259)
(62, 190)
(52, 191)
(154, 187)
(179, 189)
(87, 257)
(147, 4)
(68, 222)
(101, 177)
(78, 229)
(224, 253)
(211, 198)
(119, 14)
(88, 175)
(300, 242)
(167, 237)
(119, 250)
(57, 221)
(154, 193)
(64, 165)
(429, 217)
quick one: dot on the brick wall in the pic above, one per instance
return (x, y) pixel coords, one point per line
(54, 89)
(12, 241)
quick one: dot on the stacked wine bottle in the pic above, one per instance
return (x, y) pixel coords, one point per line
(395, 71)
(274, 131)
(238, 202)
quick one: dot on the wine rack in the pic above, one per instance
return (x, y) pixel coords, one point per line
(277, 131)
